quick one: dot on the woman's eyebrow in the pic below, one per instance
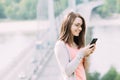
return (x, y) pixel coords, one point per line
(78, 23)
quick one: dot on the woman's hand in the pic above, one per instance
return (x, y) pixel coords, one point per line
(87, 50)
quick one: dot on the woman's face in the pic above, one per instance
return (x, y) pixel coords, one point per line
(76, 26)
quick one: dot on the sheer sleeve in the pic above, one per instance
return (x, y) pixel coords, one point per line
(63, 59)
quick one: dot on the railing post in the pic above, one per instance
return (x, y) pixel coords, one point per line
(51, 11)
(72, 4)
(85, 1)
(51, 18)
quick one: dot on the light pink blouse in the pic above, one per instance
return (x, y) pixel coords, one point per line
(80, 71)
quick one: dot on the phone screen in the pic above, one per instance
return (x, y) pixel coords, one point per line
(93, 41)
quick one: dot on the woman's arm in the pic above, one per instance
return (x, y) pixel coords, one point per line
(86, 63)
(63, 59)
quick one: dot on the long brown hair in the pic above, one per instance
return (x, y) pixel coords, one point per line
(65, 33)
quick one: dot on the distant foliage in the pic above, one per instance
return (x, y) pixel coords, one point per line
(27, 9)
(109, 8)
(59, 6)
(112, 74)
(18, 9)
(93, 76)
(2, 11)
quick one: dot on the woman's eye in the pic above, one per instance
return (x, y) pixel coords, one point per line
(77, 25)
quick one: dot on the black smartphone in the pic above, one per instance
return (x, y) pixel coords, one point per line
(93, 41)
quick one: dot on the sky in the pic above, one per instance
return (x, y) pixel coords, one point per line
(107, 51)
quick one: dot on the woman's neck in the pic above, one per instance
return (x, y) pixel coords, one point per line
(74, 45)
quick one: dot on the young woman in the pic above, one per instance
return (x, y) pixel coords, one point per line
(70, 49)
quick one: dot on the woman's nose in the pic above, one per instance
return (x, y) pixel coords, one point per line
(80, 28)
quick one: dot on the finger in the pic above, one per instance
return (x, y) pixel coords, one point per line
(93, 49)
(91, 46)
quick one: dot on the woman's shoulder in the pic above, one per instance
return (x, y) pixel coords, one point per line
(59, 42)
(59, 45)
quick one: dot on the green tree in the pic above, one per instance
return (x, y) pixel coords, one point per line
(110, 75)
(117, 77)
(17, 1)
(59, 6)
(118, 6)
(109, 8)
(79, 1)
(2, 12)
(93, 76)
(28, 9)
(20, 9)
